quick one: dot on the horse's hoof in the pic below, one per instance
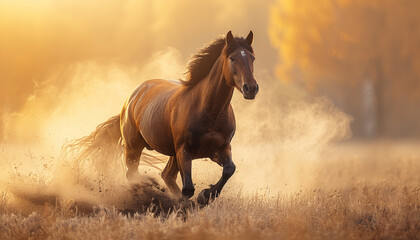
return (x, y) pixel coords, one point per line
(188, 192)
(203, 198)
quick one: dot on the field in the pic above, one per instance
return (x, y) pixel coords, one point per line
(328, 149)
(358, 191)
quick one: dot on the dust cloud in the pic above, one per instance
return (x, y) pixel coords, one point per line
(282, 136)
(33, 168)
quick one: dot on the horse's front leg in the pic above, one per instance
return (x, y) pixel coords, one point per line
(224, 158)
(184, 164)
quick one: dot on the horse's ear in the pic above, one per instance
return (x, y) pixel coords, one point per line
(229, 38)
(250, 38)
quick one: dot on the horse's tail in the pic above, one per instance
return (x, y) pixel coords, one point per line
(101, 151)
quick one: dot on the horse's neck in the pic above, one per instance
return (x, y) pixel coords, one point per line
(213, 92)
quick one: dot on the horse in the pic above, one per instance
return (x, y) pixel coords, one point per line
(186, 119)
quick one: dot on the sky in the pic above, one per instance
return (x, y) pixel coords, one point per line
(45, 43)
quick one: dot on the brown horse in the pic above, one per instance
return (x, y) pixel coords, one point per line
(189, 119)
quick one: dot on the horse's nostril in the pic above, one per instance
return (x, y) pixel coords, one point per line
(245, 88)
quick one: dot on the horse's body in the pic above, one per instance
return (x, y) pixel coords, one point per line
(192, 119)
(187, 120)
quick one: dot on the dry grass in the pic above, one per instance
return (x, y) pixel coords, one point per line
(362, 197)
(362, 212)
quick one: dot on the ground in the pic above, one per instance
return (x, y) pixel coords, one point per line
(359, 193)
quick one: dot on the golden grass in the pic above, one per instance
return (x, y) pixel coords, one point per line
(361, 212)
(362, 197)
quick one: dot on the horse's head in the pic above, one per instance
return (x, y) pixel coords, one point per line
(239, 65)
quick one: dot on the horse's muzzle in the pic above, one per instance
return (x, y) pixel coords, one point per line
(250, 91)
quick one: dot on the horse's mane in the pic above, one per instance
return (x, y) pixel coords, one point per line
(202, 62)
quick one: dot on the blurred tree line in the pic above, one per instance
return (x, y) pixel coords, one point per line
(364, 55)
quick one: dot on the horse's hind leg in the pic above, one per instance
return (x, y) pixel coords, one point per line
(169, 175)
(134, 145)
(132, 158)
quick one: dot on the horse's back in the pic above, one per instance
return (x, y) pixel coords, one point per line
(147, 112)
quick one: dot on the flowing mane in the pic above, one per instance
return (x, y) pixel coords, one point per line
(202, 62)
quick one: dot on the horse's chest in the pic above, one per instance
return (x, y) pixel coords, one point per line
(213, 139)
(204, 142)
